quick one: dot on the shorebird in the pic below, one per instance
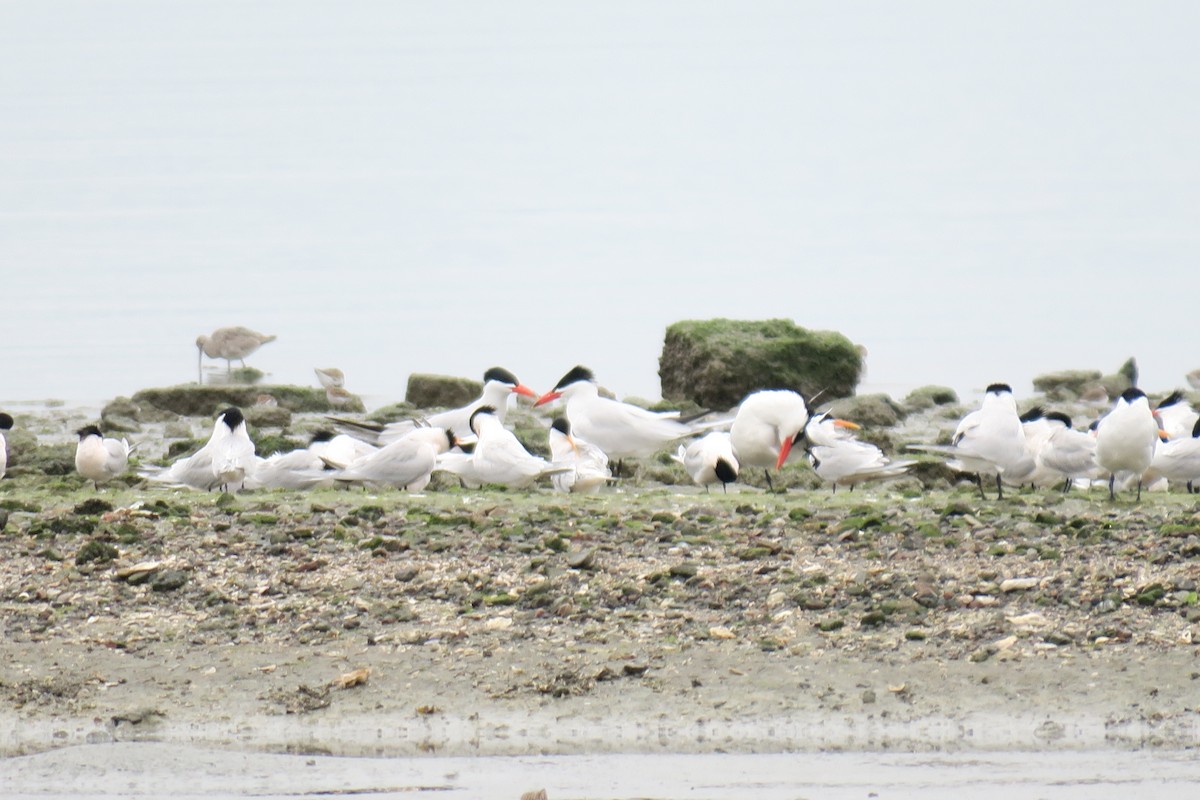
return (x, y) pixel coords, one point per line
(768, 423)
(1126, 439)
(6, 423)
(710, 460)
(590, 463)
(230, 343)
(330, 376)
(989, 442)
(99, 459)
(223, 462)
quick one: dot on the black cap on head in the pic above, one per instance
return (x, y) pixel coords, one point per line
(1131, 394)
(1196, 430)
(88, 430)
(574, 376)
(323, 435)
(561, 425)
(1059, 416)
(501, 375)
(6, 421)
(450, 437)
(1033, 414)
(476, 413)
(997, 388)
(1171, 399)
(725, 471)
(232, 417)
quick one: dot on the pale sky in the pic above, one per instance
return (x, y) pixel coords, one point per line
(975, 192)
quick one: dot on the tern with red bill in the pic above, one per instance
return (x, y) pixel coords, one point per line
(839, 458)
(768, 424)
(621, 430)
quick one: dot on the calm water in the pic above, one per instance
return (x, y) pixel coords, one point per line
(975, 192)
(147, 770)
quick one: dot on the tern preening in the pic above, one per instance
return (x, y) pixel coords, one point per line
(230, 343)
(589, 464)
(621, 430)
(710, 459)
(767, 425)
(1176, 415)
(989, 442)
(1126, 439)
(498, 385)
(223, 462)
(100, 459)
(6, 423)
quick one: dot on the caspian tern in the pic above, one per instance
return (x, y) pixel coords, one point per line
(6, 423)
(406, 463)
(619, 429)
(1126, 439)
(839, 458)
(1178, 460)
(230, 343)
(1176, 415)
(499, 456)
(989, 442)
(99, 459)
(498, 385)
(710, 459)
(223, 461)
(590, 463)
(768, 423)
(1068, 452)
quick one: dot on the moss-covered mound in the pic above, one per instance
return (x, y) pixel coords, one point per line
(192, 400)
(717, 362)
(440, 391)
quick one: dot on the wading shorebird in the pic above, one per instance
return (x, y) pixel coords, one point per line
(231, 343)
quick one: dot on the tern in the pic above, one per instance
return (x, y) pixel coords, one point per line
(1038, 429)
(1068, 452)
(231, 343)
(223, 462)
(498, 385)
(710, 460)
(500, 458)
(406, 463)
(989, 442)
(340, 450)
(621, 430)
(6, 423)
(1125, 440)
(1178, 460)
(99, 459)
(767, 425)
(589, 463)
(839, 458)
(1176, 416)
(298, 469)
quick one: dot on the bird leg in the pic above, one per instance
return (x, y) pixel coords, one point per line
(979, 481)
(1111, 480)
(1139, 494)
(1067, 485)
(999, 487)
(770, 486)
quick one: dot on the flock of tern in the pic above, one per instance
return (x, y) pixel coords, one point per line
(1131, 444)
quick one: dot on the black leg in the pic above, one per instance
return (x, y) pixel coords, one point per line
(979, 480)
(1111, 480)
(1139, 494)
(999, 488)
(770, 486)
